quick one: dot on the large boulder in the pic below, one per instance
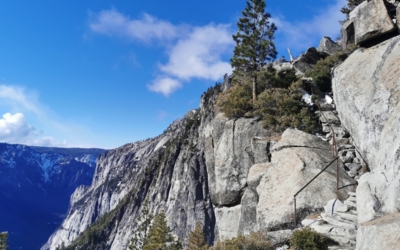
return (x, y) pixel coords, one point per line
(305, 61)
(232, 146)
(382, 233)
(366, 90)
(296, 159)
(326, 45)
(371, 20)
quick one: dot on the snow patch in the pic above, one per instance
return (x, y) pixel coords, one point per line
(307, 98)
(328, 99)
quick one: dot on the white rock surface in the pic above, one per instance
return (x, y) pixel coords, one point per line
(296, 159)
(371, 20)
(382, 233)
(367, 93)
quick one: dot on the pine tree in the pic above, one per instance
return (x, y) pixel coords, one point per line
(144, 222)
(197, 239)
(254, 41)
(3, 241)
(159, 236)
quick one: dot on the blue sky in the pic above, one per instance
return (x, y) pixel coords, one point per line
(100, 73)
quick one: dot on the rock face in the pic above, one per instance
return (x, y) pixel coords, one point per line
(347, 32)
(305, 61)
(326, 45)
(382, 233)
(367, 94)
(371, 20)
(231, 175)
(296, 159)
(398, 17)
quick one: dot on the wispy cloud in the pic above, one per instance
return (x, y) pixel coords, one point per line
(300, 35)
(161, 115)
(199, 54)
(18, 99)
(113, 23)
(195, 52)
(21, 103)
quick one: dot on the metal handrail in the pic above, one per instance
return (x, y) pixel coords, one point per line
(308, 183)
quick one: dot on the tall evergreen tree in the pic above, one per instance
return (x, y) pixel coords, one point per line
(3, 241)
(254, 41)
(159, 236)
(197, 239)
(144, 221)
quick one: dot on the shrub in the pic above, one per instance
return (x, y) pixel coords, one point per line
(279, 103)
(284, 108)
(254, 241)
(236, 101)
(270, 78)
(308, 239)
(321, 72)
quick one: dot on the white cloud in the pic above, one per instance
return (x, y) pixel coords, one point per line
(22, 109)
(15, 129)
(300, 35)
(199, 54)
(112, 22)
(165, 85)
(194, 52)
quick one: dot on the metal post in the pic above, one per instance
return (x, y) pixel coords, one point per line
(295, 220)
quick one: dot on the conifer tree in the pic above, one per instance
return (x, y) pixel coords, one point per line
(3, 241)
(254, 41)
(197, 239)
(144, 222)
(159, 236)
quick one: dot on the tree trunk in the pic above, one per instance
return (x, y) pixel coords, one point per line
(254, 89)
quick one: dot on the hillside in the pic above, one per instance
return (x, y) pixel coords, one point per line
(235, 175)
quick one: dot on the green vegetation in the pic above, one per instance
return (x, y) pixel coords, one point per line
(321, 73)
(3, 240)
(144, 221)
(283, 108)
(197, 239)
(254, 241)
(307, 238)
(159, 235)
(254, 42)
(279, 103)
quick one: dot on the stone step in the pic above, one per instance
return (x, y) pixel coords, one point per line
(342, 247)
(349, 233)
(348, 216)
(351, 194)
(342, 240)
(352, 199)
(350, 204)
(338, 222)
(322, 228)
(351, 211)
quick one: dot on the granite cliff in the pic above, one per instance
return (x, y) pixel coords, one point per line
(233, 176)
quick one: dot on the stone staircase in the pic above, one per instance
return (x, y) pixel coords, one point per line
(338, 222)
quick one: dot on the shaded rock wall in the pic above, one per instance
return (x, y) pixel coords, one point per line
(367, 94)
